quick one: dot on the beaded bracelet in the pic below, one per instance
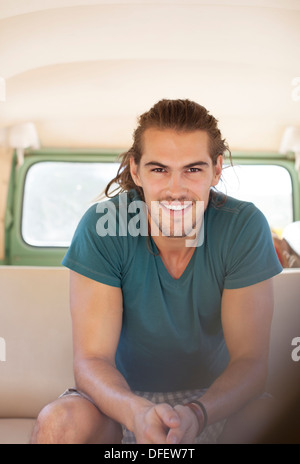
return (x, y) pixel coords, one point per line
(198, 408)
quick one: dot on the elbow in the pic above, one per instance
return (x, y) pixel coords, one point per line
(80, 370)
(87, 369)
(252, 373)
(259, 375)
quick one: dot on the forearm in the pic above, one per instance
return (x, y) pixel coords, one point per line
(100, 380)
(246, 321)
(241, 381)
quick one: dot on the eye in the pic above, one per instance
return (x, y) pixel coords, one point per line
(158, 170)
(194, 170)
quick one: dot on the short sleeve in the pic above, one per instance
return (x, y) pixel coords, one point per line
(251, 257)
(94, 256)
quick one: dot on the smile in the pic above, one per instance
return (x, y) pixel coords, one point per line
(177, 206)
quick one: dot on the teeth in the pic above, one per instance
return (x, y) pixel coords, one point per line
(176, 207)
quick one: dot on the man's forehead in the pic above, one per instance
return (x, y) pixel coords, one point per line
(164, 142)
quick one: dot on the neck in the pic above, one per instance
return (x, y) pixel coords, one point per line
(173, 246)
(174, 254)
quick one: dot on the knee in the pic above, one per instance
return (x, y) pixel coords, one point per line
(54, 424)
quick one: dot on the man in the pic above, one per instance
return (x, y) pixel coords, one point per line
(170, 340)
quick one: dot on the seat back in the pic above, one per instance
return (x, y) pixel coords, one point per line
(284, 371)
(35, 325)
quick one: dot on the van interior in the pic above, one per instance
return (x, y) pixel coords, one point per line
(74, 77)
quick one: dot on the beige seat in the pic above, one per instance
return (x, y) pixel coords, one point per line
(35, 324)
(15, 431)
(284, 372)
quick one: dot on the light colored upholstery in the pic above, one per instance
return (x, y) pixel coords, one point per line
(16, 431)
(284, 373)
(36, 325)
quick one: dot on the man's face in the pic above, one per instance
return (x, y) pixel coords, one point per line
(175, 173)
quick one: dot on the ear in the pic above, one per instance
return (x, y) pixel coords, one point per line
(217, 170)
(134, 171)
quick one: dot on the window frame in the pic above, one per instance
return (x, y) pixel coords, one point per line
(21, 253)
(274, 159)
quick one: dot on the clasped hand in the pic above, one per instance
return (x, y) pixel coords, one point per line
(162, 424)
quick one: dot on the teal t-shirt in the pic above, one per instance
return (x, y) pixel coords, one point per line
(172, 336)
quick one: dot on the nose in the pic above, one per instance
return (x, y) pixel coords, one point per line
(175, 187)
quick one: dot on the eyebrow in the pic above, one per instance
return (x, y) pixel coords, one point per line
(191, 165)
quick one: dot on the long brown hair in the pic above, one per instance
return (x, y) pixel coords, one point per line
(178, 115)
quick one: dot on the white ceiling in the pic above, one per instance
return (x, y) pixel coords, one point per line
(83, 70)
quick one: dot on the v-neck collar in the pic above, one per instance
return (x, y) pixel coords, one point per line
(165, 273)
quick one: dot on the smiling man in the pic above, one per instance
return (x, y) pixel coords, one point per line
(176, 173)
(170, 340)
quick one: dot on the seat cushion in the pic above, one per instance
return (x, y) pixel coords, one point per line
(35, 322)
(16, 431)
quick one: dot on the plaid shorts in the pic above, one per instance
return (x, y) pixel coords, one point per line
(209, 435)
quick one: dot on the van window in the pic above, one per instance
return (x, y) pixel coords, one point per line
(56, 195)
(269, 187)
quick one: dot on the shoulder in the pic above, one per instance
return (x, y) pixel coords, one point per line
(221, 203)
(240, 233)
(109, 211)
(229, 211)
(99, 249)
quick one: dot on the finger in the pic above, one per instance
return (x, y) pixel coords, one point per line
(159, 420)
(175, 436)
(185, 433)
(167, 415)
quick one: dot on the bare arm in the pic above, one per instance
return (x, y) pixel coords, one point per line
(246, 320)
(97, 320)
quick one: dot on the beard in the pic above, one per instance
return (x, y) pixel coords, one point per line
(180, 218)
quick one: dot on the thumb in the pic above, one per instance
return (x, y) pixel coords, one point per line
(167, 415)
